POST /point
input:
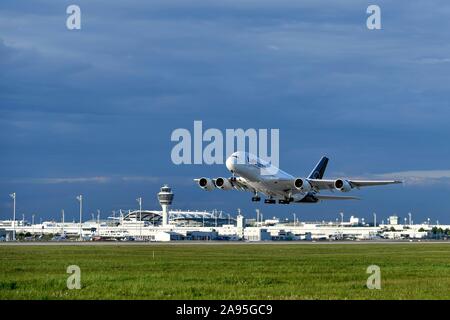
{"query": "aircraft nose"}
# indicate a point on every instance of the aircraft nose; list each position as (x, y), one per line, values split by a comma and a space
(230, 163)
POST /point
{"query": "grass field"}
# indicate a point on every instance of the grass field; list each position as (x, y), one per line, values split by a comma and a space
(261, 271)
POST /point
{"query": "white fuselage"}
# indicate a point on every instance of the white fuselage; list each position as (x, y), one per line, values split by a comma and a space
(261, 175)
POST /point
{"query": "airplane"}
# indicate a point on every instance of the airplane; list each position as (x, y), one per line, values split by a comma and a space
(250, 173)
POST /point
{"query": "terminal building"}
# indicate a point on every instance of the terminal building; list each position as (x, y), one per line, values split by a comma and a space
(172, 225)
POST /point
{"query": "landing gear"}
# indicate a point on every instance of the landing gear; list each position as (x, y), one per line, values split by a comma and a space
(285, 201)
(270, 201)
(256, 198)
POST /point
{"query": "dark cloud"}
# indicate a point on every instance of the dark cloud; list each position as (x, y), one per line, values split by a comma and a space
(102, 101)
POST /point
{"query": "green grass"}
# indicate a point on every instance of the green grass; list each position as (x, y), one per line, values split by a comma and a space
(262, 271)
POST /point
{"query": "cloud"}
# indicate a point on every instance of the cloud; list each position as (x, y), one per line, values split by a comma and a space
(434, 60)
(97, 106)
(418, 177)
(140, 179)
(64, 180)
(272, 47)
(83, 180)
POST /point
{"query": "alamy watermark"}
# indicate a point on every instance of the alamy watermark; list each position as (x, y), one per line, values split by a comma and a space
(74, 280)
(212, 146)
(73, 21)
(374, 280)
(373, 22)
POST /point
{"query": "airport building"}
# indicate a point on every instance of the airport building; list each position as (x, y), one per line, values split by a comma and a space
(175, 225)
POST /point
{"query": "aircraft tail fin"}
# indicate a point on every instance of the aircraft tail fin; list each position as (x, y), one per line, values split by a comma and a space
(319, 169)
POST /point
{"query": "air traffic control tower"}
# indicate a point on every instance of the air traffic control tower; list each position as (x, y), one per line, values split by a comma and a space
(165, 197)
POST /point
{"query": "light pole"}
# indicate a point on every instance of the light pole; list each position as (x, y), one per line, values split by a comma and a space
(62, 214)
(215, 216)
(80, 199)
(342, 224)
(139, 200)
(98, 222)
(13, 196)
(32, 222)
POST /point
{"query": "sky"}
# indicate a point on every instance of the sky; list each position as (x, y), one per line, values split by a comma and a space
(91, 111)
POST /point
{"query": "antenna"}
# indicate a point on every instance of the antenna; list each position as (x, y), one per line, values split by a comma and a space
(62, 213)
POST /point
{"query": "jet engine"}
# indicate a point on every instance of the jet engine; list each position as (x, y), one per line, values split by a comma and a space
(206, 184)
(302, 185)
(223, 183)
(342, 185)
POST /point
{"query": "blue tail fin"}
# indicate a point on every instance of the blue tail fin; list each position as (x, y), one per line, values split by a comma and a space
(319, 169)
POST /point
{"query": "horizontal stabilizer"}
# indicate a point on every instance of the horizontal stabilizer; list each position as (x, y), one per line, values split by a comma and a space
(326, 197)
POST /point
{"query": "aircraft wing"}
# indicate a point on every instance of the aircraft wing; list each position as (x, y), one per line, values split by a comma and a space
(329, 184)
(321, 184)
